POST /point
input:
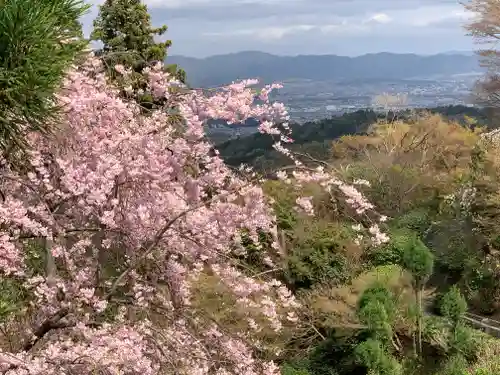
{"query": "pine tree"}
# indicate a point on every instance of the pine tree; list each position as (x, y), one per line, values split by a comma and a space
(39, 40)
(124, 27)
(419, 261)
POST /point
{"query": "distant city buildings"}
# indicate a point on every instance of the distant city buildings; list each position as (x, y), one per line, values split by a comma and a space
(312, 100)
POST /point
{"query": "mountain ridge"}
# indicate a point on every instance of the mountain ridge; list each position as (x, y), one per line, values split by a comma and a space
(223, 69)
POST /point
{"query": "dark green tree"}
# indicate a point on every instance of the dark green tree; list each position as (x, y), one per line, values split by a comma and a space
(374, 356)
(453, 306)
(39, 40)
(419, 261)
(377, 309)
(124, 27)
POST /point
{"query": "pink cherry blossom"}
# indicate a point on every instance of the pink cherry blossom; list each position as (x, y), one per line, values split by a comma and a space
(130, 212)
(117, 187)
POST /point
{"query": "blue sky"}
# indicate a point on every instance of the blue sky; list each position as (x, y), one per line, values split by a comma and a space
(201, 28)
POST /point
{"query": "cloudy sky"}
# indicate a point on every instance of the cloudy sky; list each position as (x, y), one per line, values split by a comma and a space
(201, 28)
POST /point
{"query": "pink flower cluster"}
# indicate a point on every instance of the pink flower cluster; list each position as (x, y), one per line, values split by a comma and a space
(117, 187)
(127, 213)
(352, 195)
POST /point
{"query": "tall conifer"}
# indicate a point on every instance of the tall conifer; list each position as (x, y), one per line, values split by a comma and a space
(128, 37)
(39, 40)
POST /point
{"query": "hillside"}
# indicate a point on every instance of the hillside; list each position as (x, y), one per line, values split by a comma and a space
(222, 69)
(315, 137)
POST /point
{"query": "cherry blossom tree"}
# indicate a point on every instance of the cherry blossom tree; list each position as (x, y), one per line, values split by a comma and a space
(122, 229)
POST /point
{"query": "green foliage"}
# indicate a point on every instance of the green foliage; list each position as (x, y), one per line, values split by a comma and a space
(464, 114)
(385, 254)
(376, 318)
(295, 369)
(436, 331)
(455, 241)
(284, 203)
(483, 372)
(417, 220)
(378, 294)
(315, 137)
(376, 309)
(39, 40)
(417, 259)
(453, 305)
(392, 251)
(404, 248)
(423, 228)
(335, 356)
(375, 357)
(462, 342)
(35, 254)
(456, 365)
(12, 297)
(257, 150)
(317, 254)
(481, 286)
(496, 242)
(124, 27)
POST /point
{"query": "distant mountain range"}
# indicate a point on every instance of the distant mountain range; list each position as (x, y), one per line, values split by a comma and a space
(465, 53)
(223, 69)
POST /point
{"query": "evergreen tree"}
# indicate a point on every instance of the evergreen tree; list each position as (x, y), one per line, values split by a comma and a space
(39, 40)
(453, 306)
(419, 261)
(377, 310)
(124, 27)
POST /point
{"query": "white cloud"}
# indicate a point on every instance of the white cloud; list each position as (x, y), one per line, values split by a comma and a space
(345, 29)
(177, 4)
(429, 16)
(308, 26)
(380, 18)
(264, 33)
(402, 19)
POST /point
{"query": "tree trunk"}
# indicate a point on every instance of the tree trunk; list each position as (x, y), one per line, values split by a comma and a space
(420, 318)
(416, 334)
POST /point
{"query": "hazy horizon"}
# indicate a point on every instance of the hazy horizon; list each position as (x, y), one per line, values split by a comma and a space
(464, 52)
(201, 28)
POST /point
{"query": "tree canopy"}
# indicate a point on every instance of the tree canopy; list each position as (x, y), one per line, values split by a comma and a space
(39, 40)
(128, 38)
